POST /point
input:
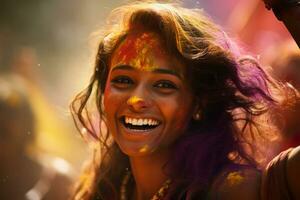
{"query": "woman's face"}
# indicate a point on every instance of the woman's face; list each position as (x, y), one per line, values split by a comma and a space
(147, 100)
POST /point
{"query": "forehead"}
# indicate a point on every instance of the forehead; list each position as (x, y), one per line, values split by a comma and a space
(141, 40)
(145, 51)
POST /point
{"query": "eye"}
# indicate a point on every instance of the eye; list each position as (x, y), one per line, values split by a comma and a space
(122, 81)
(165, 84)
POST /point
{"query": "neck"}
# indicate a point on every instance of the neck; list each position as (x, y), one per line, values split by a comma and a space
(148, 174)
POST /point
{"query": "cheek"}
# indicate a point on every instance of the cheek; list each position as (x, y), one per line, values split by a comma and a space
(182, 117)
(110, 102)
(110, 109)
(177, 112)
(114, 101)
(107, 93)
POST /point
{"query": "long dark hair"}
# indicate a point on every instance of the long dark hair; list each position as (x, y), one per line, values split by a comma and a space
(237, 91)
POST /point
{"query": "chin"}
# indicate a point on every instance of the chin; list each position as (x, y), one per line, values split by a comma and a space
(137, 150)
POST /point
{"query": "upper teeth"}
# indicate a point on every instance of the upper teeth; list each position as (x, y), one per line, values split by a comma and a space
(140, 122)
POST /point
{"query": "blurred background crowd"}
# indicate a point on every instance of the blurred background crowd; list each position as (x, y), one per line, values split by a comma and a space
(46, 54)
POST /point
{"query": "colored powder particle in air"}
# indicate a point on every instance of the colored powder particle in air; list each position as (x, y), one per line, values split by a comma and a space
(234, 178)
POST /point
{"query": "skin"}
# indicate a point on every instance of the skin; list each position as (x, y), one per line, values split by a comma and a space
(293, 172)
(137, 51)
(146, 82)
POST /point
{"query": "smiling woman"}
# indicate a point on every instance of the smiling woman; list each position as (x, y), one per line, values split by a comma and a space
(182, 110)
(145, 87)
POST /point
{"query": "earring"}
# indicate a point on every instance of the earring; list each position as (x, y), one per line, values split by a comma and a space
(197, 116)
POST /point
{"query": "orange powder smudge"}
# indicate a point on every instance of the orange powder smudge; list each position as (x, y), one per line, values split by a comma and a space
(140, 51)
(234, 178)
(144, 149)
(133, 100)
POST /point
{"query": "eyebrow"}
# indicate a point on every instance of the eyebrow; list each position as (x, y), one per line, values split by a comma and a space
(158, 70)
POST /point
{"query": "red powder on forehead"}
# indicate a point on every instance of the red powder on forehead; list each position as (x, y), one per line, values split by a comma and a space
(135, 48)
(127, 50)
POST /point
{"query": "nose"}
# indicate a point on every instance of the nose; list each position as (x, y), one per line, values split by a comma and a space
(138, 104)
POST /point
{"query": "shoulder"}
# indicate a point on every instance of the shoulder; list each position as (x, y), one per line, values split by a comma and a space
(281, 176)
(293, 172)
(242, 183)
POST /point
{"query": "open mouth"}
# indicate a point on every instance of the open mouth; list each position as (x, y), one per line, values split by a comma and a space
(139, 124)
